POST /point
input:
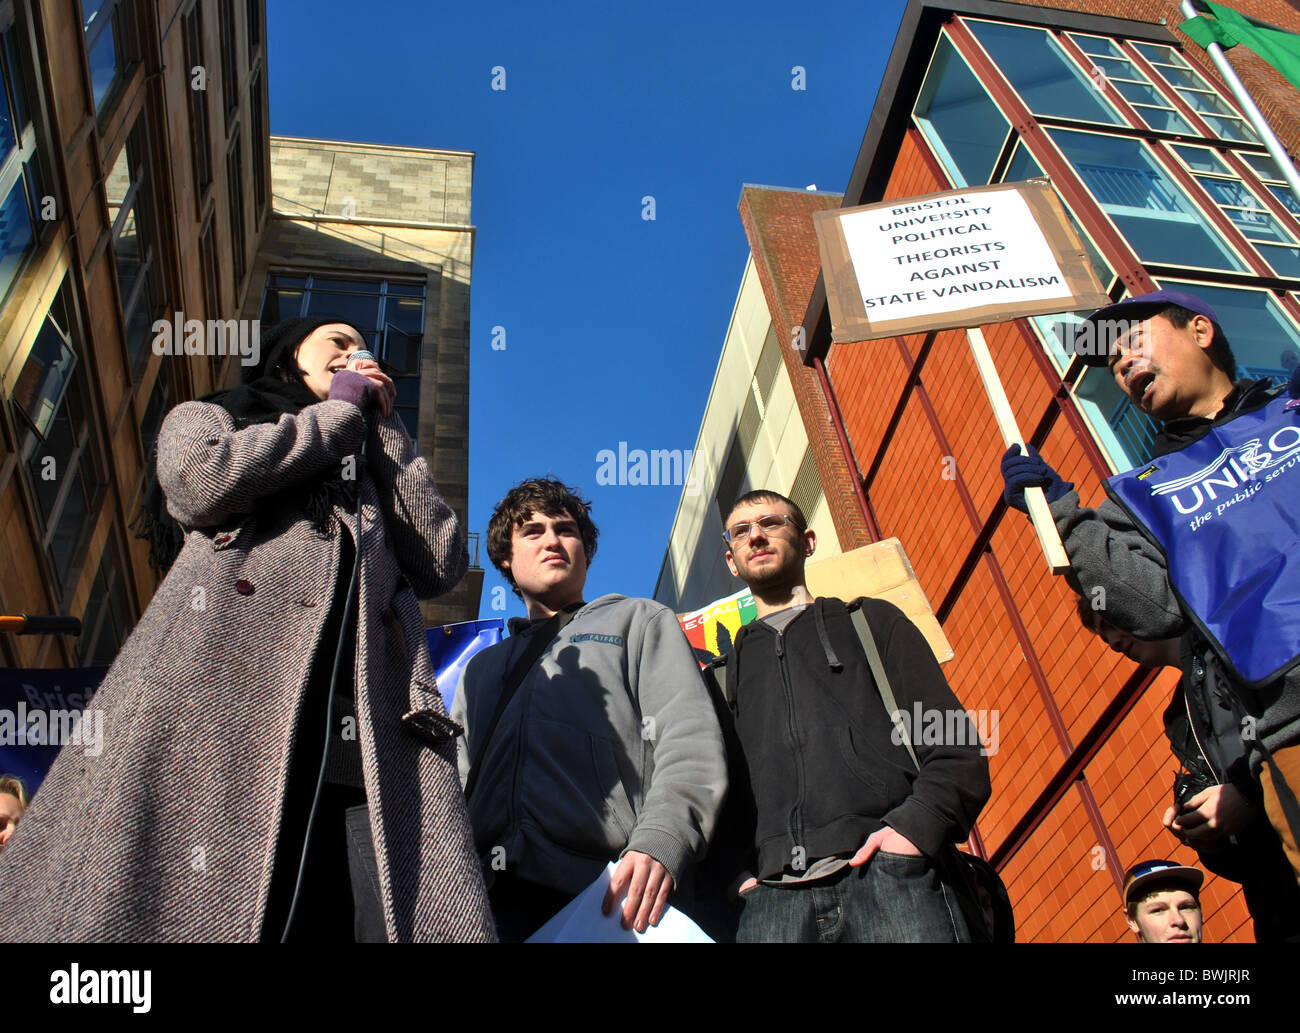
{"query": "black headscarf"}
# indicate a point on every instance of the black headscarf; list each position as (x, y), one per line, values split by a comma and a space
(263, 397)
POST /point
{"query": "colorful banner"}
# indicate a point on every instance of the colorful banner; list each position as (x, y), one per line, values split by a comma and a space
(452, 645)
(712, 628)
(43, 709)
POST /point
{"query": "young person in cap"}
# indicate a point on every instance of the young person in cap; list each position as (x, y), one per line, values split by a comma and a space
(1168, 353)
(1217, 808)
(216, 802)
(848, 830)
(1162, 902)
(589, 733)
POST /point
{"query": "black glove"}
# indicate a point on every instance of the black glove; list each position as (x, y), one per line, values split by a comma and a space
(1030, 471)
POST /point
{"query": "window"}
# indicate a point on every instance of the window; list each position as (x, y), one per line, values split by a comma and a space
(106, 620)
(56, 453)
(257, 132)
(1203, 98)
(229, 77)
(959, 120)
(1267, 170)
(132, 213)
(235, 193)
(1114, 66)
(806, 491)
(1038, 69)
(1244, 207)
(1161, 223)
(25, 211)
(200, 137)
(161, 400)
(108, 45)
(390, 315)
(254, 29)
(769, 365)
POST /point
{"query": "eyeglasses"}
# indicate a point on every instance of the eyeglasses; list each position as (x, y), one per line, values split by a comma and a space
(767, 524)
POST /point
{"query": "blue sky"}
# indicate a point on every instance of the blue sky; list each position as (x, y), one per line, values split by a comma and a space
(613, 323)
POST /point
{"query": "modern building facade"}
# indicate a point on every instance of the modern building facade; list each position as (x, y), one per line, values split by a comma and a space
(139, 183)
(752, 435)
(1169, 187)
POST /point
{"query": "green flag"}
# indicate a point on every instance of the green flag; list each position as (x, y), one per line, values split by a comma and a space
(1280, 49)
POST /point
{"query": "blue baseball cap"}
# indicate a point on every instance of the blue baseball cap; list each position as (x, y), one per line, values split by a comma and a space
(1144, 873)
(1093, 339)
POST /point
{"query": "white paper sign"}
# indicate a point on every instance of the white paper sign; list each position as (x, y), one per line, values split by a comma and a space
(950, 253)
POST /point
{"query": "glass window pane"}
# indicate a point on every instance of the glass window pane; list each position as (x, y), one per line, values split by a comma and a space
(1263, 339)
(45, 377)
(1048, 81)
(1164, 120)
(407, 314)
(1150, 209)
(104, 63)
(70, 530)
(1202, 159)
(1124, 431)
(359, 309)
(1160, 54)
(327, 283)
(281, 305)
(1284, 260)
(958, 118)
(1235, 129)
(408, 390)
(1094, 44)
(1138, 93)
(15, 233)
(415, 290)
(1284, 195)
(411, 417)
(17, 85)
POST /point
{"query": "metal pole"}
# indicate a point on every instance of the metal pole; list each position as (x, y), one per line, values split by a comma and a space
(1274, 145)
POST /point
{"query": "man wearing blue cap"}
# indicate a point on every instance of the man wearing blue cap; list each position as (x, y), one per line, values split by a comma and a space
(1169, 355)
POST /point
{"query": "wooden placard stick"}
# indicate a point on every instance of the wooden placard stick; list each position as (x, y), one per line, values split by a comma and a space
(1044, 525)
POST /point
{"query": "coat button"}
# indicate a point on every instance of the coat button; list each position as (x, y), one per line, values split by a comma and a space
(222, 539)
(244, 587)
(309, 602)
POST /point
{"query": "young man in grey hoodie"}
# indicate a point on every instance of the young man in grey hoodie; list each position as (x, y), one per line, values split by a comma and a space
(589, 732)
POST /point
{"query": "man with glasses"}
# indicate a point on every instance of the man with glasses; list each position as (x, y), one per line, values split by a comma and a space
(848, 830)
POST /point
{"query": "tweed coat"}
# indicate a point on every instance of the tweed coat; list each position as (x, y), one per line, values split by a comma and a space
(170, 833)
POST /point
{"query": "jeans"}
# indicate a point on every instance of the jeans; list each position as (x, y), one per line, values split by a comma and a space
(893, 898)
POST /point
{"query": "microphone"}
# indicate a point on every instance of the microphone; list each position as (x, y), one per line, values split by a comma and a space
(362, 356)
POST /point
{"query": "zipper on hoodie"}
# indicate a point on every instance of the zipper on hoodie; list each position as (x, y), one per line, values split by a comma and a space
(796, 812)
(1198, 677)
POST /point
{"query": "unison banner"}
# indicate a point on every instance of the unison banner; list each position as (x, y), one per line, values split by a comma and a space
(1226, 512)
(41, 711)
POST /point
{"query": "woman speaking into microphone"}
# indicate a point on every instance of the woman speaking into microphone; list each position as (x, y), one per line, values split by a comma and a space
(274, 743)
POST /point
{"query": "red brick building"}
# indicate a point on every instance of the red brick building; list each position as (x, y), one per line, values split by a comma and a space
(1170, 187)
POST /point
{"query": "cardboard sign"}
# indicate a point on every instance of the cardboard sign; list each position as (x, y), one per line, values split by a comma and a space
(961, 258)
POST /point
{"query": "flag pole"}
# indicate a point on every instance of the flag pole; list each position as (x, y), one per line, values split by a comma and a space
(1275, 149)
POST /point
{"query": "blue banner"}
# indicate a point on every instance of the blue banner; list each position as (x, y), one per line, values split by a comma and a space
(452, 645)
(42, 710)
(1226, 512)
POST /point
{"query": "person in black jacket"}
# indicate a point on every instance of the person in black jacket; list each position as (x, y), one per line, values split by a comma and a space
(1217, 808)
(847, 830)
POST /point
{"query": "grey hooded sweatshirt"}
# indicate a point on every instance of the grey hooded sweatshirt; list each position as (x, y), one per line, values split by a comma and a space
(609, 744)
